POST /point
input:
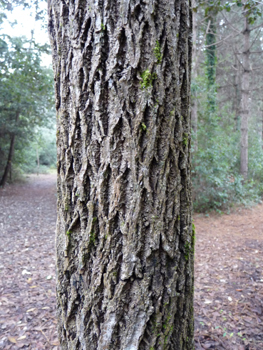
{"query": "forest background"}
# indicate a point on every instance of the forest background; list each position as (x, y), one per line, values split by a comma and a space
(227, 102)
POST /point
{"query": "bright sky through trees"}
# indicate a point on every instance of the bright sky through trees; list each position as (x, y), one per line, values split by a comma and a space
(26, 89)
(21, 22)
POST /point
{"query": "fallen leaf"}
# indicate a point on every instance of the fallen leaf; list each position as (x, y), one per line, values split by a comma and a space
(12, 340)
(22, 337)
(30, 310)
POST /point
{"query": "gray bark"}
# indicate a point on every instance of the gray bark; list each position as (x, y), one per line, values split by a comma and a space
(124, 234)
(244, 112)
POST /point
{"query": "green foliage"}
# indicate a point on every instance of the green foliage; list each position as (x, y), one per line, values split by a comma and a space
(255, 157)
(251, 8)
(26, 96)
(217, 183)
(214, 176)
(43, 146)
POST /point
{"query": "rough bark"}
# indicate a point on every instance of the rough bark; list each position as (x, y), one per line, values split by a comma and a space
(124, 233)
(244, 112)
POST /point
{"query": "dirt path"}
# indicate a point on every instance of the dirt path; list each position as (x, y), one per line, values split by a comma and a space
(228, 284)
(27, 270)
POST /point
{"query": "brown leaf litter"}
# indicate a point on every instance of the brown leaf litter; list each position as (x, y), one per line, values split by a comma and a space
(228, 273)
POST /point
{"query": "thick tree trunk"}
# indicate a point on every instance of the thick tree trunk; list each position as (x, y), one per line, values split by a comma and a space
(8, 166)
(244, 112)
(124, 233)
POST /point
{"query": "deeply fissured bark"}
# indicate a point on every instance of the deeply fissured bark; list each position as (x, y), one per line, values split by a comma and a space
(124, 232)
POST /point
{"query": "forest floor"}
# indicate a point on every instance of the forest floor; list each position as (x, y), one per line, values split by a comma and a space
(228, 270)
(229, 280)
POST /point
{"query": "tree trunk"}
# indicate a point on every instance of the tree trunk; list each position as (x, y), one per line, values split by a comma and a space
(211, 62)
(237, 97)
(8, 166)
(244, 112)
(194, 120)
(194, 110)
(37, 160)
(124, 233)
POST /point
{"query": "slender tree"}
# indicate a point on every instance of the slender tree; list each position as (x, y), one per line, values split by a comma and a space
(236, 99)
(8, 166)
(124, 233)
(245, 86)
(211, 13)
(194, 109)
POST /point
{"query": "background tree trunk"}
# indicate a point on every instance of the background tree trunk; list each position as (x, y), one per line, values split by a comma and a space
(9, 160)
(237, 93)
(194, 110)
(211, 62)
(8, 166)
(124, 233)
(244, 112)
(38, 164)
